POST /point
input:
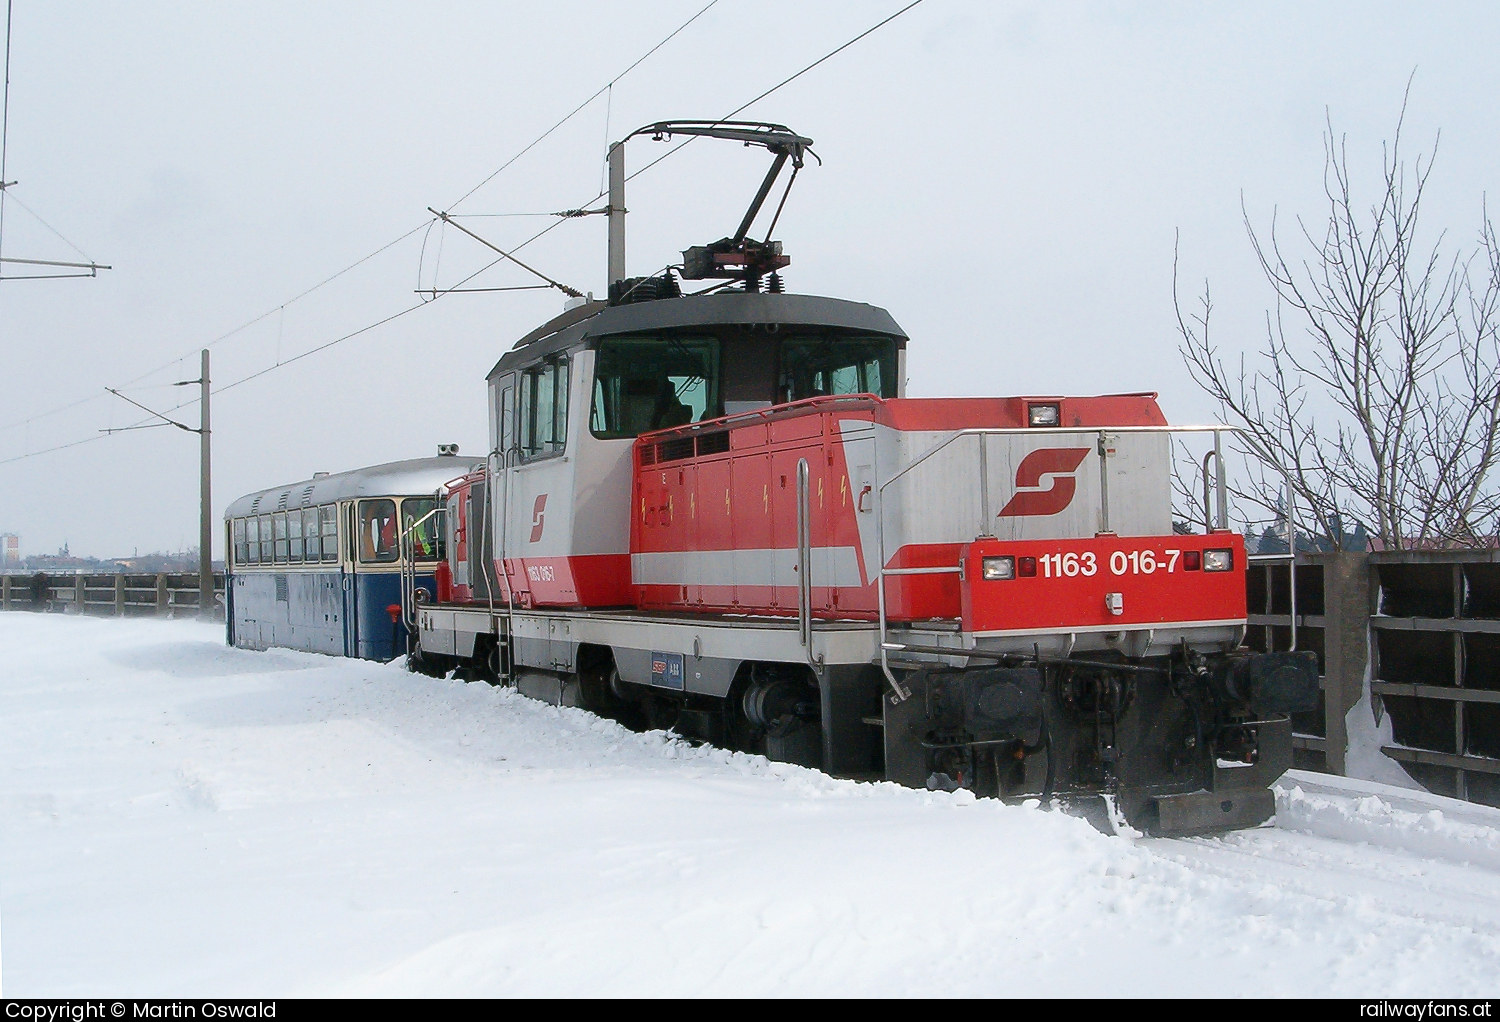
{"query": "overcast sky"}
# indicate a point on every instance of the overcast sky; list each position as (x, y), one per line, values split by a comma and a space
(1005, 178)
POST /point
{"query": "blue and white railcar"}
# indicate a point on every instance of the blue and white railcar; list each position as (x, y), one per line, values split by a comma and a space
(316, 565)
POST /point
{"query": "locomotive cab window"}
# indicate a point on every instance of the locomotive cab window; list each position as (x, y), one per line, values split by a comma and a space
(544, 409)
(377, 531)
(821, 366)
(646, 383)
(424, 536)
(241, 548)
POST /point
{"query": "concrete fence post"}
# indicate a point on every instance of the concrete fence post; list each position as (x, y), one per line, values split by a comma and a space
(161, 595)
(1346, 642)
(81, 592)
(4, 592)
(119, 595)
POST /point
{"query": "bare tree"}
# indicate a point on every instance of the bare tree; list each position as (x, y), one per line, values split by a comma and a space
(1377, 394)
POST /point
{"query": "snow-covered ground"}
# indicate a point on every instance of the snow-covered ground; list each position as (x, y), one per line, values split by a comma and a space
(182, 819)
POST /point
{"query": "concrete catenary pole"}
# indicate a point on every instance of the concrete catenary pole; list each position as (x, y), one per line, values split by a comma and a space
(616, 213)
(205, 501)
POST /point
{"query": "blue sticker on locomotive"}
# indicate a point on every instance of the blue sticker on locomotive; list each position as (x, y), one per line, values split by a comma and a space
(666, 670)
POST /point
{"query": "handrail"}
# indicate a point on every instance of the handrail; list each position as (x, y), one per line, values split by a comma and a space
(900, 692)
(788, 410)
(804, 568)
(503, 551)
(409, 568)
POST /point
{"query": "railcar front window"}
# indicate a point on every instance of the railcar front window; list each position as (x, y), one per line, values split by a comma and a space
(821, 366)
(646, 383)
(377, 531)
(424, 536)
(252, 539)
(241, 548)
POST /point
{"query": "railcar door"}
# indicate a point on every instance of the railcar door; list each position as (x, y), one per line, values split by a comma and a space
(377, 579)
(348, 579)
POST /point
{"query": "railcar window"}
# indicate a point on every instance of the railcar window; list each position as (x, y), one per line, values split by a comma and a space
(646, 383)
(252, 540)
(278, 523)
(310, 533)
(425, 538)
(377, 531)
(266, 545)
(241, 548)
(328, 516)
(819, 366)
(544, 409)
(294, 535)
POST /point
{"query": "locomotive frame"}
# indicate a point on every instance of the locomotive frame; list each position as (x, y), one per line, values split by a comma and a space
(719, 513)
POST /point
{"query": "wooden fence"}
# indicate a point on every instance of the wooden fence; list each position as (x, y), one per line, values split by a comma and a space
(1424, 627)
(117, 595)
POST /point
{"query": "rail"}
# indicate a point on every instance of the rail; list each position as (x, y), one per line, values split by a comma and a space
(899, 692)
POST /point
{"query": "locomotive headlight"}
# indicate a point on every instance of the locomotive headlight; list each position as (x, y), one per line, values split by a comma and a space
(1218, 560)
(996, 568)
(1043, 415)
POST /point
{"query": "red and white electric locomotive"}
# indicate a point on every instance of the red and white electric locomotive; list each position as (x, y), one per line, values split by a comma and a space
(719, 512)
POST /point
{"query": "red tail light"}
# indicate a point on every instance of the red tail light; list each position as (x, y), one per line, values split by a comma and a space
(1192, 560)
(1026, 567)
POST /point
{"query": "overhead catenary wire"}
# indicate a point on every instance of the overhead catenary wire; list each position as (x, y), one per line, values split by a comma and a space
(38, 217)
(581, 208)
(606, 87)
(784, 82)
(358, 262)
(274, 310)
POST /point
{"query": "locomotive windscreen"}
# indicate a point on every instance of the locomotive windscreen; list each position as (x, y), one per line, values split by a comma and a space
(646, 383)
(833, 364)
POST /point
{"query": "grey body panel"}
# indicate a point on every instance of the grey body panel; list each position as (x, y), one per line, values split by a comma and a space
(724, 309)
(397, 478)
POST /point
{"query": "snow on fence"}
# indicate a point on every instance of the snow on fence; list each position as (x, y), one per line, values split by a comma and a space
(1421, 629)
(165, 595)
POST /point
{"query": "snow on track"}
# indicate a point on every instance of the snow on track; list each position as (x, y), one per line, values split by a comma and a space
(182, 819)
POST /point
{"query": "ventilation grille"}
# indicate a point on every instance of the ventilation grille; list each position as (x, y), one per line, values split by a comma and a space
(307, 495)
(281, 501)
(648, 454)
(713, 443)
(281, 594)
(674, 450)
(255, 504)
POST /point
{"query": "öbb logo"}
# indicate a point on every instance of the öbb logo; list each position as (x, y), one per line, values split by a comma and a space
(537, 517)
(1056, 467)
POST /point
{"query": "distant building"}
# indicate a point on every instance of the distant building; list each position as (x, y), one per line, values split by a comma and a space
(10, 550)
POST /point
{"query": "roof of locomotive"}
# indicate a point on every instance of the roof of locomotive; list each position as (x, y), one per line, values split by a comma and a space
(597, 319)
(415, 476)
